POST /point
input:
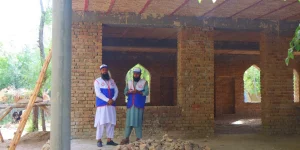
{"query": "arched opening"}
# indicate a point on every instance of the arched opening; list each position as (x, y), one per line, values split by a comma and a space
(252, 86)
(145, 75)
(296, 86)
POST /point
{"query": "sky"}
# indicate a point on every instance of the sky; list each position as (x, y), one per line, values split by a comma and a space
(19, 23)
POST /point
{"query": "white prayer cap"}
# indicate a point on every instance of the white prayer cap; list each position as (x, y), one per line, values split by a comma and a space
(103, 66)
(138, 70)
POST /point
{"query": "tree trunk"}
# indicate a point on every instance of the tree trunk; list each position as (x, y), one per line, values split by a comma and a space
(41, 33)
(42, 57)
(35, 119)
(43, 119)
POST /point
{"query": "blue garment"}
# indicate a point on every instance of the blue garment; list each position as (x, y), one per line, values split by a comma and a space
(137, 99)
(105, 90)
(109, 93)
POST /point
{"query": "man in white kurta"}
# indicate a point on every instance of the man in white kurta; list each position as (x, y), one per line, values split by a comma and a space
(106, 92)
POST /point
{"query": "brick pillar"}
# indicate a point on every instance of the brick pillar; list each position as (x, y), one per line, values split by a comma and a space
(195, 73)
(86, 59)
(278, 112)
(239, 94)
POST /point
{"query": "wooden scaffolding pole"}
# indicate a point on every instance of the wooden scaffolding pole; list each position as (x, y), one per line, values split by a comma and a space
(24, 105)
(1, 138)
(30, 105)
(2, 115)
(5, 112)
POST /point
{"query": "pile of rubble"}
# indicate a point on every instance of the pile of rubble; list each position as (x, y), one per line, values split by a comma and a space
(46, 146)
(165, 144)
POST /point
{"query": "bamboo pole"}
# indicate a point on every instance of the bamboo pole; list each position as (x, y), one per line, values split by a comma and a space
(17, 105)
(30, 105)
(1, 137)
(5, 112)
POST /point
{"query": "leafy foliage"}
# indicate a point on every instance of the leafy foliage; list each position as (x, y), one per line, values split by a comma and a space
(294, 45)
(20, 70)
(252, 80)
(48, 17)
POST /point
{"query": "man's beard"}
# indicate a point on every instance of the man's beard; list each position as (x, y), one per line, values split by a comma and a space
(105, 76)
(136, 79)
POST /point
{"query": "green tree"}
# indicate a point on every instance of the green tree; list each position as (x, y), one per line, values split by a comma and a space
(294, 44)
(252, 80)
(19, 70)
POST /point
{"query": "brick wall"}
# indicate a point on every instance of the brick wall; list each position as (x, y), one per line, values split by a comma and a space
(225, 100)
(159, 65)
(86, 57)
(193, 115)
(158, 120)
(228, 68)
(279, 115)
(195, 73)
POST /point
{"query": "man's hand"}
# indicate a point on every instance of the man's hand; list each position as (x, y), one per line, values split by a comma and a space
(131, 92)
(134, 92)
(110, 102)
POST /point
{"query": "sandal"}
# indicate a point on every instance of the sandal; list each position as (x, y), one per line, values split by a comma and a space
(124, 141)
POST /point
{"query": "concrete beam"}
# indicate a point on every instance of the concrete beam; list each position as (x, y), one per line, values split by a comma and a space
(236, 52)
(140, 42)
(172, 43)
(173, 50)
(139, 49)
(60, 135)
(239, 45)
(149, 20)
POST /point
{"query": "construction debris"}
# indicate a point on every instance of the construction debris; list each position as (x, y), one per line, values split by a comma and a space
(46, 146)
(165, 144)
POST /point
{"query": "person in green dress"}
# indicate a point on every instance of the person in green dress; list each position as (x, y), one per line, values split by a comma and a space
(136, 90)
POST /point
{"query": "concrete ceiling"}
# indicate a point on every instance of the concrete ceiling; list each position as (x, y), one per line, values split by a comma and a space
(252, 9)
(171, 33)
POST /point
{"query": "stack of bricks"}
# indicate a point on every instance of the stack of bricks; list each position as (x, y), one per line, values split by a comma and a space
(278, 110)
(86, 59)
(195, 74)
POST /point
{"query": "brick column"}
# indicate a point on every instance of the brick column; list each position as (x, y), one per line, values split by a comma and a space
(195, 73)
(278, 112)
(86, 59)
(239, 94)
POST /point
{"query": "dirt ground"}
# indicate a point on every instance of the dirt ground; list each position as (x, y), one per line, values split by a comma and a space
(231, 133)
(233, 124)
(218, 142)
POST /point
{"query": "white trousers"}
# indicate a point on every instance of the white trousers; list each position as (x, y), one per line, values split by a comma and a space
(110, 128)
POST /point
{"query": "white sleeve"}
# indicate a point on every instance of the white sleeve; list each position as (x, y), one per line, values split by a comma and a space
(98, 92)
(116, 91)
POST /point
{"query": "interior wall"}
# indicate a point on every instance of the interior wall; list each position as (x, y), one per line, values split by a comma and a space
(229, 71)
(162, 67)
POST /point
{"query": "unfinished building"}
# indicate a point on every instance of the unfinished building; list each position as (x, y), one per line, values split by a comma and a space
(196, 55)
